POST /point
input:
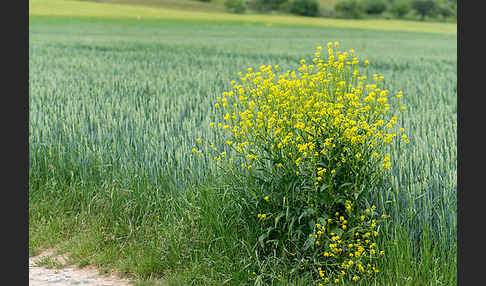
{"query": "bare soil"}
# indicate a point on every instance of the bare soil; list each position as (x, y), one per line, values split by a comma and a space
(60, 273)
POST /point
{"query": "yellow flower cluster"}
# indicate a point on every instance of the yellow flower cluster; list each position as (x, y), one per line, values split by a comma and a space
(262, 216)
(353, 253)
(310, 115)
(326, 127)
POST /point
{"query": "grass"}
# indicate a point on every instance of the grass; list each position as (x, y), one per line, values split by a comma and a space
(49, 262)
(116, 105)
(72, 8)
(217, 6)
(189, 5)
(192, 5)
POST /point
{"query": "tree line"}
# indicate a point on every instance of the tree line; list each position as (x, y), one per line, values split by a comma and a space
(438, 10)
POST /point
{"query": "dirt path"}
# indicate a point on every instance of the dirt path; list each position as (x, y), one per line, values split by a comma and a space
(68, 274)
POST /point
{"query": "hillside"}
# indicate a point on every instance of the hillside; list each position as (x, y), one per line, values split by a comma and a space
(72, 8)
(190, 5)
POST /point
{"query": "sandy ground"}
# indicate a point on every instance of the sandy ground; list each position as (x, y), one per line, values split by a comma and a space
(69, 274)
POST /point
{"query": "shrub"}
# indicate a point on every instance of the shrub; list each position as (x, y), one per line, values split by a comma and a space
(266, 5)
(374, 7)
(326, 11)
(446, 10)
(306, 148)
(305, 7)
(349, 9)
(400, 8)
(235, 6)
(284, 7)
(424, 8)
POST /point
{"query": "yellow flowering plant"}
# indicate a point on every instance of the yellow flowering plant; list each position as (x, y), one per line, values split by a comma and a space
(310, 144)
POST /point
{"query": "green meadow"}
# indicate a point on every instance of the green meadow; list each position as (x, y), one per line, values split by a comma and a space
(115, 106)
(172, 10)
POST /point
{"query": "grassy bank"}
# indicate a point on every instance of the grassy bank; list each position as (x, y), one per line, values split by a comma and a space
(72, 8)
(116, 105)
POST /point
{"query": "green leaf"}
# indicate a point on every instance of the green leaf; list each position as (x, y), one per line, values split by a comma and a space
(308, 242)
(339, 231)
(312, 224)
(325, 198)
(345, 185)
(261, 239)
(305, 213)
(278, 217)
(323, 187)
(323, 219)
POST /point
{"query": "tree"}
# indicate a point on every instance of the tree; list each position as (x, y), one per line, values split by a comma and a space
(266, 5)
(305, 7)
(349, 8)
(374, 6)
(424, 7)
(447, 9)
(235, 6)
(400, 8)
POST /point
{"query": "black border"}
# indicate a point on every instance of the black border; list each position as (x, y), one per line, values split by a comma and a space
(470, 145)
(15, 146)
(21, 93)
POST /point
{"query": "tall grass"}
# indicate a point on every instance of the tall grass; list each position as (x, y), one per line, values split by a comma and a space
(116, 105)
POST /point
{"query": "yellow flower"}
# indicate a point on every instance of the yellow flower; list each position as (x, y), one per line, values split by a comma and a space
(326, 113)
